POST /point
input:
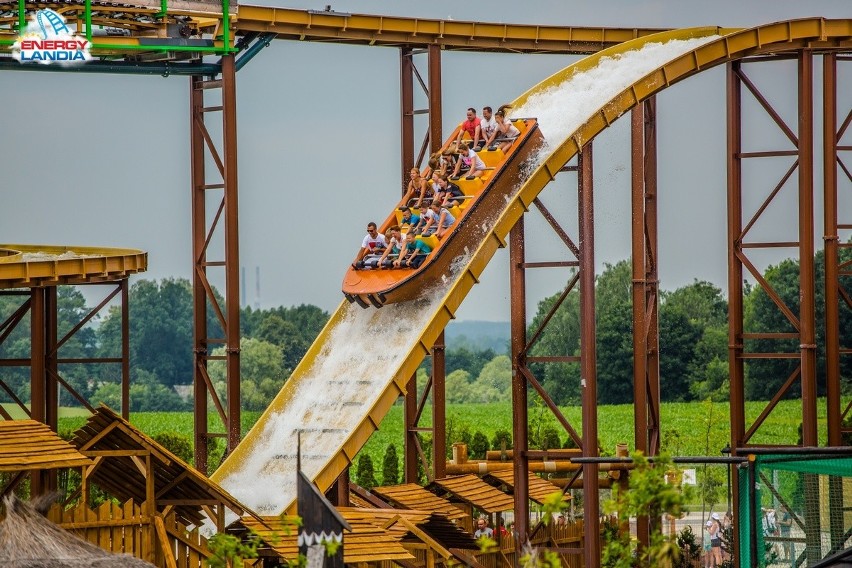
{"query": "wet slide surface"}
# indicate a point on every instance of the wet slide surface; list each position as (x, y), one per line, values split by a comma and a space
(362, 360)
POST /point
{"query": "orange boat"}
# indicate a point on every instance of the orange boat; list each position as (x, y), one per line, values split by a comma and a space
(483, 196)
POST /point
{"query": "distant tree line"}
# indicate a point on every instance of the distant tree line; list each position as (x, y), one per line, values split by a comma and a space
(693, 322)
(693, 345)
(273, 342)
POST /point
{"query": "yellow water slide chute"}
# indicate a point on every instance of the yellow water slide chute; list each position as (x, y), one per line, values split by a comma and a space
(730, 45)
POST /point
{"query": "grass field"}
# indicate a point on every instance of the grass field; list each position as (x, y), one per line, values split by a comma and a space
(684, 425)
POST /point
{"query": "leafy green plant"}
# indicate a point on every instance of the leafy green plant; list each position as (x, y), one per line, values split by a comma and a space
(540, 558)
(552, 504)
(648, 494)
(690, 548)
(230, 551)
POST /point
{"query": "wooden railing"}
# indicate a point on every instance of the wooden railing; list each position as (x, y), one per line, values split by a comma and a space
(163, 541)
(553, 536)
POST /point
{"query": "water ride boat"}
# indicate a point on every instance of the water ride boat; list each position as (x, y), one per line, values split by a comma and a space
(484, 197)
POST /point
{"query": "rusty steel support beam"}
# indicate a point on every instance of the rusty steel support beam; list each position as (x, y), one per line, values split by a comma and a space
(735, 274)
(588, 361)
(232, 250)
(410, 456)
(199, 256)
(38, 368)
(225, 160)
(646, 363)
(831, 239)
(406, 91)
(439, 408)
(51, 385)
(646, 367)
(520, 419)
(125, 348)
(436, 138)
(807, 310)
(832, 296)
(39, 483)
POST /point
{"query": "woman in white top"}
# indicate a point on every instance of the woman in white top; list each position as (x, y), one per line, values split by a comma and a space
(471, 160)
(506, 132)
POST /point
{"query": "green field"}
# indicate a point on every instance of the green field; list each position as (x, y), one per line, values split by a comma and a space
(685, 425)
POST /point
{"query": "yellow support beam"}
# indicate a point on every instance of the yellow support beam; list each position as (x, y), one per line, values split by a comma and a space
(311, 25)
(24, 266)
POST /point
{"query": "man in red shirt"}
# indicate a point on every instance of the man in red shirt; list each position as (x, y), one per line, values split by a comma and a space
(472, 127)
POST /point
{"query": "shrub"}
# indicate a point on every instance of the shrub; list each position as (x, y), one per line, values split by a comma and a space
(501, 437)
(177, 444)
(365, 474)
(478, 446)
(390, 466)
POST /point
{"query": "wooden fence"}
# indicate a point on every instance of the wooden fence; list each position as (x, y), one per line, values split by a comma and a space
(162, 541)
(568, 536)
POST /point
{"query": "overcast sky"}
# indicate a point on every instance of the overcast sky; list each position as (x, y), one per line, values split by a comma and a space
(104, 160)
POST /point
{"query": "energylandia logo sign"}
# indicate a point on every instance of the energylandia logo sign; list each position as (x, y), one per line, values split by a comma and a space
(48, 40)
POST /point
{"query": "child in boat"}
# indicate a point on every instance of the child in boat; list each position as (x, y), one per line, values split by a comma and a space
(396, 242)
(413, 254)
(471, 160)
(439, 220)
(408, 217)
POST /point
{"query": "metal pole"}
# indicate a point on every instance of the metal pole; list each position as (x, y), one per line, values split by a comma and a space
(651, 277)
(410, 444)
(199, 259)
(640, 344)
(125, 349)
(439, 409)
(232, 248)
(51, 390)
(832, 316)
(640, 349)
(832, 300)
(735, 273)
(406, 90)
(37, 375)
(588, 358)
(435, 108)
(520, 419)
(807, 314)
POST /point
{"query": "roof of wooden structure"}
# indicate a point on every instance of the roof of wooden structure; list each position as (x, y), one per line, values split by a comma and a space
(539, 489)
(364, 543)
(471, 489)
(437, 527)
(412, 496)
(27, 444)
(119, 449)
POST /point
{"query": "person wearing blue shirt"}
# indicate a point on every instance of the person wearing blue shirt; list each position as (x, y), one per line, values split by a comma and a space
(409, 218)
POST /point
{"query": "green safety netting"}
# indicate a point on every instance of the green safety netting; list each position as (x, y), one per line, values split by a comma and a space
(801, 483)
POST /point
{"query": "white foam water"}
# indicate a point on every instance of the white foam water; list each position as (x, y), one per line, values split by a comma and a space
(564, 108)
